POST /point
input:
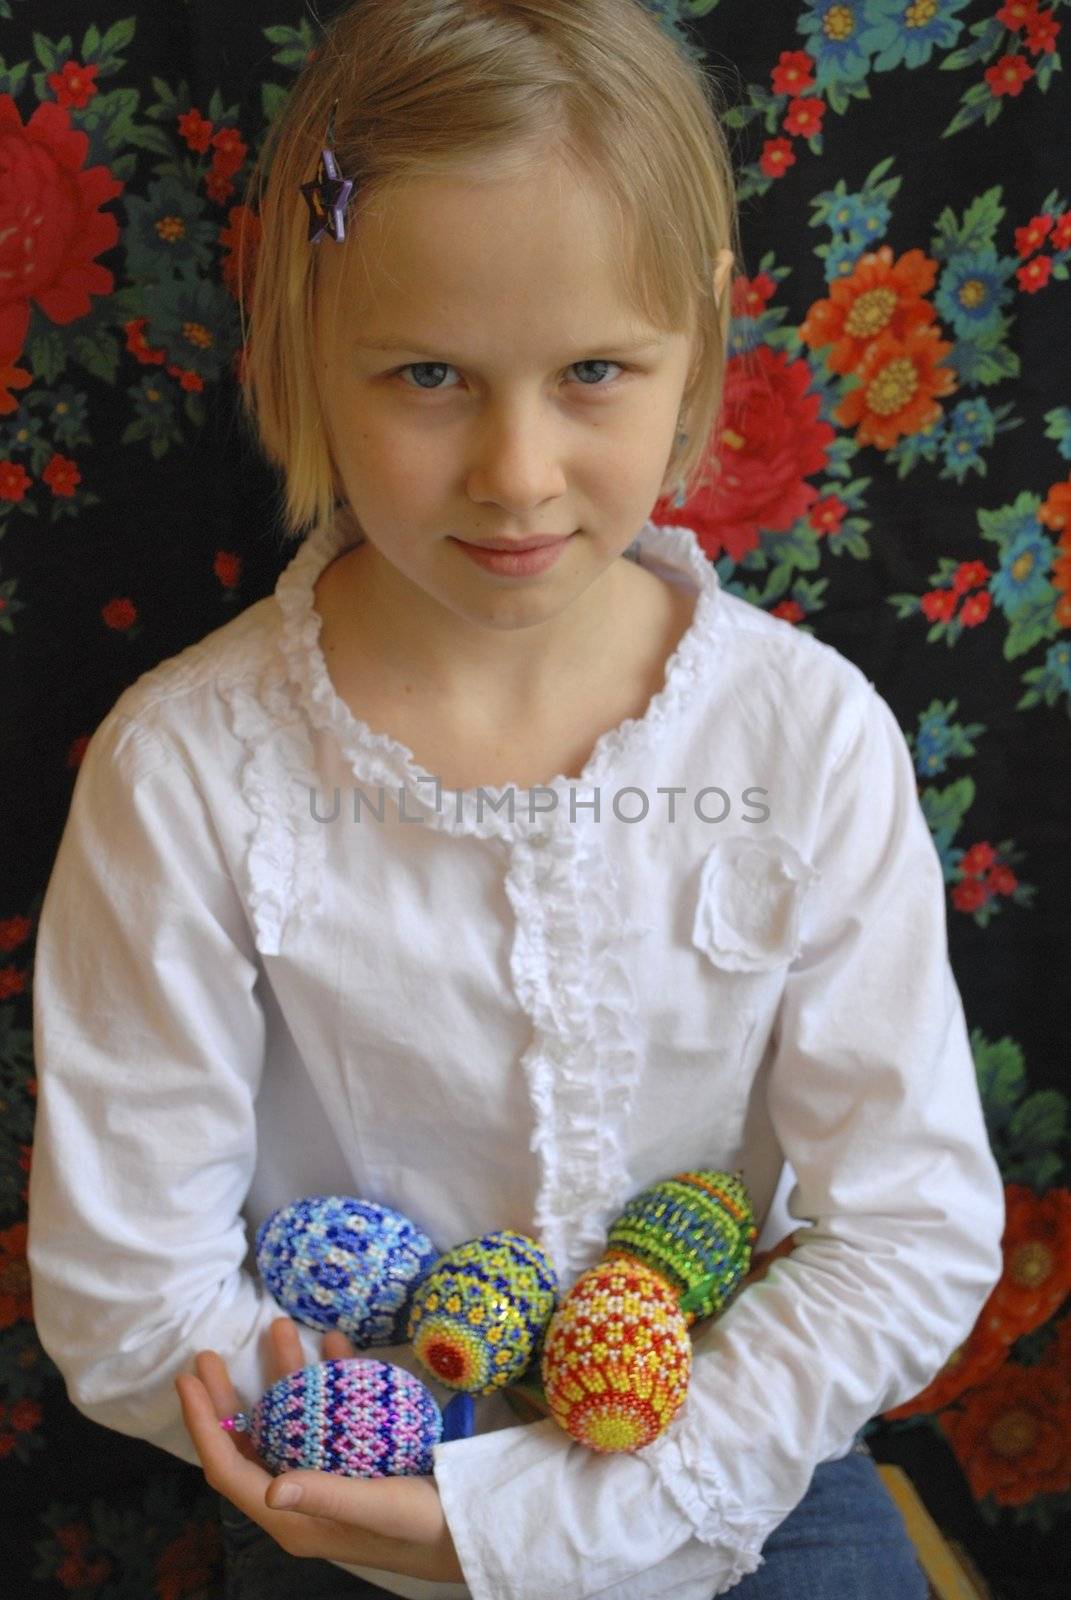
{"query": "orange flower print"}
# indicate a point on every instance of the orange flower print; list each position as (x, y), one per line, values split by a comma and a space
(1012, 1436)
(980, 1354)
(901, 382)
(1037, 1261)
(880, 297)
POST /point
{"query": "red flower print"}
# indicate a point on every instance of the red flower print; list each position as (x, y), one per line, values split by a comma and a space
(977, 859)
(1001, 880)
(227, 567)
(195, 130)
(13, 932)
(12, 378)
(938, 605)
(1035, 275)
(77, 750)
(750, 295)
(61, 475)
(975, 608)
(1061, 233)
(1042, 32)
(138, 346)
(1009, 75)
(1012, 1436)
(73, 84)
(968, 575)
(15, 1304)
(794, 71)
(230, 150)
(187, 1564)
(218, 186)
(119, 614)
(1017, 14)
(826, 515)
(12, 982)
(970, 895)
(240, 239)
(770, 441)
(190, 381)
(804, 117)
(1033, 236)
(777, 156)
(14, 480)
(50, 228)
(789, 610)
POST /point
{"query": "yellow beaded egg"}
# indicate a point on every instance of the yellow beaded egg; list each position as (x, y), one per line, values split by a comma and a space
(617, 1357)
(477, 1319)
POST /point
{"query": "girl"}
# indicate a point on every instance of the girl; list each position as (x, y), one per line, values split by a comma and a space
(500, 864)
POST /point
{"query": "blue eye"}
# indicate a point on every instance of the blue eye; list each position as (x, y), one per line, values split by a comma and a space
(443, 366)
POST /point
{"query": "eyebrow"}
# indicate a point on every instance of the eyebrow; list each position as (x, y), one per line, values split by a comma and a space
(391, 343)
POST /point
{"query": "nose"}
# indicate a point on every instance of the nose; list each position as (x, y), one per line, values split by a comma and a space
(517, 462)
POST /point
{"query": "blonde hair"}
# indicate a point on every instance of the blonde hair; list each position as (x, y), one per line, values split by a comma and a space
(473, 89)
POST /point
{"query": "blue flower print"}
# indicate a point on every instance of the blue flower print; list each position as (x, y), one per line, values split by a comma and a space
(907, 31)
(835, 31)
(970, 292)
(1022, 578)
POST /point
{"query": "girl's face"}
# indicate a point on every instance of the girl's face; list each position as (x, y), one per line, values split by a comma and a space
(515, 394)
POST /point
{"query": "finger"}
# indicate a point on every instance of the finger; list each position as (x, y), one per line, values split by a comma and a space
(406, 1509)
(229, 1469)
(287, 1351)
(212, 1371)
(337, 1347)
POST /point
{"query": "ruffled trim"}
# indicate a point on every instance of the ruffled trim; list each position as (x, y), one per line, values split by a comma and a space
(378, 759)
(570, 966)
(284, 858)
(683, 1467)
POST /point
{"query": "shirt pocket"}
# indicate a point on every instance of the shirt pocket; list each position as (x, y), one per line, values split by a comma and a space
(750, 902)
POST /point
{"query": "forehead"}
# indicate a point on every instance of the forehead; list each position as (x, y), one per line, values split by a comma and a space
(466, 257)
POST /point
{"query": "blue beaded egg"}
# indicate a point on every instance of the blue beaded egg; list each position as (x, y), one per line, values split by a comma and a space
(334, 1262)
(357, 1418)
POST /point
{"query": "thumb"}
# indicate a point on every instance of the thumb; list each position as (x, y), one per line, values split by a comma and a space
(396, 1508)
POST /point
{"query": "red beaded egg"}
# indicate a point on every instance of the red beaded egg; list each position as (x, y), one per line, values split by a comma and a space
(617, 1357)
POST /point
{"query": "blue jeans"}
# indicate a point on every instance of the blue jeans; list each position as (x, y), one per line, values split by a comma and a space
(844, 1541)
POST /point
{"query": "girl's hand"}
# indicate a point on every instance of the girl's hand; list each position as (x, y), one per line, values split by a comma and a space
(395, 1524)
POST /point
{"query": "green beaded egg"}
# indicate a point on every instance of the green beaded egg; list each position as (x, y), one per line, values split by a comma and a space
(696, 1229)
(478, 1318)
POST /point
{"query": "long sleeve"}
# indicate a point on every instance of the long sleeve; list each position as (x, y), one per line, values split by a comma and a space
(872, 1094)
(149, 1042)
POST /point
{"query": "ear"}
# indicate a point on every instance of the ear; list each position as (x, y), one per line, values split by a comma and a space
(722, 273)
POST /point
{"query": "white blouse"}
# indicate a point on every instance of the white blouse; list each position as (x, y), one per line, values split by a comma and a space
(276, 959)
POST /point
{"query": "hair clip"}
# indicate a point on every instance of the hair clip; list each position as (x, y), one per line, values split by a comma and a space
(328, 195)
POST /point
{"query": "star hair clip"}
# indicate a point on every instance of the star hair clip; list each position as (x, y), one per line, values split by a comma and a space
(328, 194)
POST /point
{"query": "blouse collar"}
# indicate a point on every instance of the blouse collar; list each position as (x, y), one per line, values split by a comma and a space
(379, 759)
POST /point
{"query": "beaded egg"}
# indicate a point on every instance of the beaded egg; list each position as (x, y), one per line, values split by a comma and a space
(477, 1318)
(696, 1229)
(334, 1262)
(356, 1417)
(617, 1357)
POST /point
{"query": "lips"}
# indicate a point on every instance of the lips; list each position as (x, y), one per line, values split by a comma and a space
(518, 546)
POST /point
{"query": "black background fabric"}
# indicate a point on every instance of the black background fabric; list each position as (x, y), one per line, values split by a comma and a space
(182, 538)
